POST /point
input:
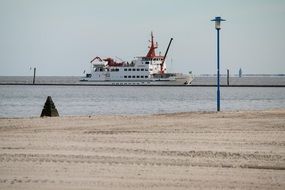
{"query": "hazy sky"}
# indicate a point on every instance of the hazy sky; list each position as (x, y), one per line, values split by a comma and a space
(60, 37)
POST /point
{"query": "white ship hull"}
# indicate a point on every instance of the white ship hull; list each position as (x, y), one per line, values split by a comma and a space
(180, 80)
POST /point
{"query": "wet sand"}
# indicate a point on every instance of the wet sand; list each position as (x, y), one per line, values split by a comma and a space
(227, 150)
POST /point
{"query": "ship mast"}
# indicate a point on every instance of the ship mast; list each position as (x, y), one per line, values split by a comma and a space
(152, 47)
(151, 52)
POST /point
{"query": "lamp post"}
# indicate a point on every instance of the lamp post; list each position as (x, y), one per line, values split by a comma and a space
(218, 27)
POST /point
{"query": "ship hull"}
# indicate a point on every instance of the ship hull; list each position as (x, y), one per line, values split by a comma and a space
(182, 80)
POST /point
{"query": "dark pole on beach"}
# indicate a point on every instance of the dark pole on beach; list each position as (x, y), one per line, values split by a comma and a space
(218, 27)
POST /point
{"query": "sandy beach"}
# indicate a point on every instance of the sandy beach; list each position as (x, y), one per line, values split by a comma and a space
(227, 150)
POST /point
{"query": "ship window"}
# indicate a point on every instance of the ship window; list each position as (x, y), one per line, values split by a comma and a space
(125, 76)
(146, 69)
(138, 69)
(142, 76)
(129, 76)
(130, 69)
(142, 69)
(146, 62)
(117, 69)
(145, 76)
(138, 76)
(125, 69)
(150, 69)
(134, 69)
(134, 77)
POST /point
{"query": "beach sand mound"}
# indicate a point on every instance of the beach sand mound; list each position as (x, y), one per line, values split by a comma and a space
(227, 150)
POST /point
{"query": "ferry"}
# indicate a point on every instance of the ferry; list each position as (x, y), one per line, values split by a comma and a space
(142, 71)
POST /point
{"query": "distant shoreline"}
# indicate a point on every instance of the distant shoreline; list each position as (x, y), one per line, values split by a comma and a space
(252, 80)
(86, 84)
(197, 75)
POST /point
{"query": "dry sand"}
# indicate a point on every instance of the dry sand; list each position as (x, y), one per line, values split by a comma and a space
(227, 150)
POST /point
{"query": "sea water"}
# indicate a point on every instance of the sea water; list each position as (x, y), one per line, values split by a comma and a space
(28, 100)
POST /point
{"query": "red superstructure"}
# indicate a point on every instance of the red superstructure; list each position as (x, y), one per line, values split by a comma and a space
(152, 47)
(112, 63)
(151, 53)
(150, 56)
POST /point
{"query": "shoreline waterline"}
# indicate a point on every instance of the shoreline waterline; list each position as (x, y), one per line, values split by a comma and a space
(151, 115)
(25, 101)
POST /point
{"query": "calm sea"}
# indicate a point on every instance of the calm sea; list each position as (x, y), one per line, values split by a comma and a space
(28, 100)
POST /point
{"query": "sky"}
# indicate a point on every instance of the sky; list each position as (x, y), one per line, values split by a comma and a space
(60, 37)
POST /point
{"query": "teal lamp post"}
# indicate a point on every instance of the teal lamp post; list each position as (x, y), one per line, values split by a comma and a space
(218, 27)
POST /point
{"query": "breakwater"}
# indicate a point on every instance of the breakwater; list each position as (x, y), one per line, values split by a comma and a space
(199, 81)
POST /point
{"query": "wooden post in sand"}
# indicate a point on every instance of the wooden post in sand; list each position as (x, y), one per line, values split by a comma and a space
(49, 109)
